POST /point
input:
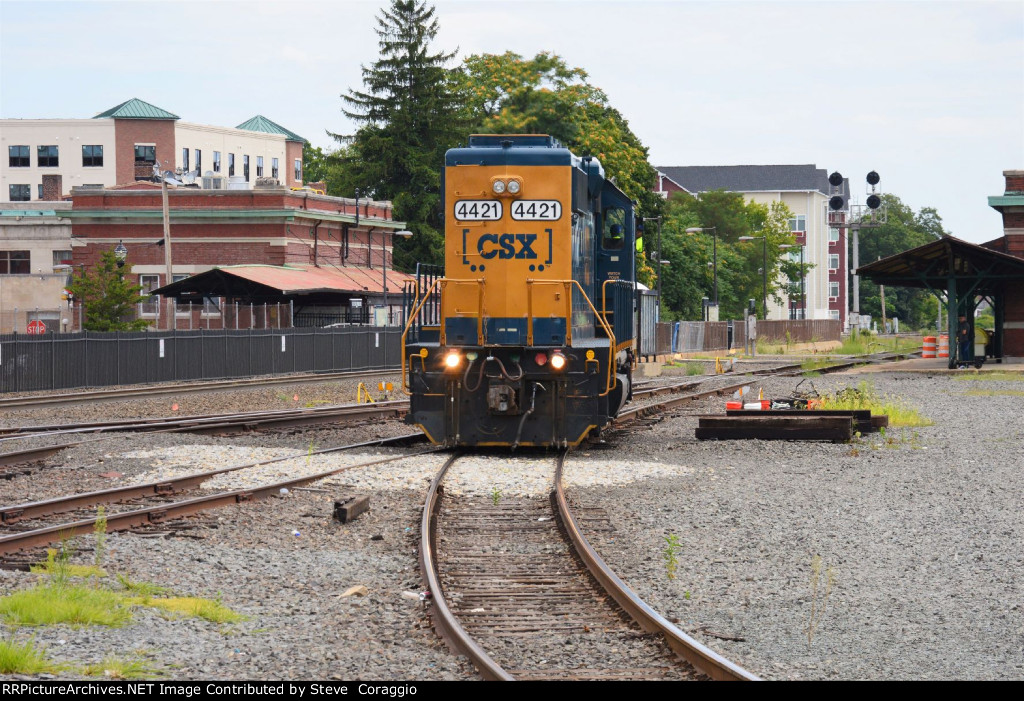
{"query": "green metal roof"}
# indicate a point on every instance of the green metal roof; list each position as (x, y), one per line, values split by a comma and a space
(261, 123)
(136, 109)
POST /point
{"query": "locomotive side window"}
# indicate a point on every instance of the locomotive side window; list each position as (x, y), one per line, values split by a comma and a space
(478, 210)
(614, 229)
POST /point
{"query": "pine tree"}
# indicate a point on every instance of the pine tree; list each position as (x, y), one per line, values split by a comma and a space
(110, 300)
(410, 113)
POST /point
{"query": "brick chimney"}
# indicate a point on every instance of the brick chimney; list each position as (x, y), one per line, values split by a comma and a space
(52, 188)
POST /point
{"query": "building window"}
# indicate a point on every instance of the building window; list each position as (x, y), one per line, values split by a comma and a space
(62, 257)
(231, 164)
(273, 168)
(18, 156)
(145, 155)
(14, 263)
(259, 166)
(833, 314)
(22, 193)
(833, 261)
(833, 234)
(149, 306)
(794, 255)
(46, 156)
(298, 170)
(185, 310)
(216, 161)
(798, 223)
(184, 159)
(245, 167)
(39, 190)
(211, 306)
(833, 289)
(199, 162)
(92, 156)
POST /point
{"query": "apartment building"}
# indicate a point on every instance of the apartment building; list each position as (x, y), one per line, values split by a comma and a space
(820, 232)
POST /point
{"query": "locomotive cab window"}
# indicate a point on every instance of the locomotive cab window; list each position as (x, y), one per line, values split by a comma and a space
(614, 229)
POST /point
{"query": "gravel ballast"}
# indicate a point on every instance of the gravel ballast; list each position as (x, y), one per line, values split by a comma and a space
(921, 528)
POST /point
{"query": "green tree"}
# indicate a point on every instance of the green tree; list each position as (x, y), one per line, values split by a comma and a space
(323, 166)
(509, 94)
(904, 229)
(110, 300)
(410, 112)
(692, 271)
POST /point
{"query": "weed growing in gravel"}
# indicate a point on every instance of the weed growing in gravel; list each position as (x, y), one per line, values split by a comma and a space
(864, 396)
(818, 603)
(994, 393)
(495, 495)
(694, 368)
(672, 546)
(978, 376)
(76, 605)
(143, 589)
(99, 529)
(207, 609)
(61, 571)
(309, 455)
(24, 658)
(113, 667)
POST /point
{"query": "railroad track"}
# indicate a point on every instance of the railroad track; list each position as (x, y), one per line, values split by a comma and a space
(161, 390)
(517, 588)
(151, 503)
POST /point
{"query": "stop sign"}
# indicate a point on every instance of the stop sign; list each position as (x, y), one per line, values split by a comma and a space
(37, 327)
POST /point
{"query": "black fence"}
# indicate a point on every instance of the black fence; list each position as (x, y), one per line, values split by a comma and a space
(90, 359)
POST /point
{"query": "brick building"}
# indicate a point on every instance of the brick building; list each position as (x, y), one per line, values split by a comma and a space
(1011, 206)
(271, 226)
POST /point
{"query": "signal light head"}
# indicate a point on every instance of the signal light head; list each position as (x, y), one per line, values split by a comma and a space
(835, 180)
(873, 178)
(452, 360)
(498, 186)
(541, 359)
(558, 360)
(874, 201)
(835, 202)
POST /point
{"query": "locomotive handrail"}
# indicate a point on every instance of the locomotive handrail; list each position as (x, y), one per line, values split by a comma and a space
(479, 307)
(408, 325)
(568, 284)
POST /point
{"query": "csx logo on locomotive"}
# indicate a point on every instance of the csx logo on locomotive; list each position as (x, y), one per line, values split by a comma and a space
(509, 246)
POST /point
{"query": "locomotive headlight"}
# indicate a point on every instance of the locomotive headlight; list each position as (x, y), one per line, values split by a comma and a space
(557, 361)
(540, 359)
(498, 186)
(514, 186)
(452, 360)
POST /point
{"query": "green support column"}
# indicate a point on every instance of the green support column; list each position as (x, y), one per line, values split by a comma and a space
(999, 312)
(953, 305)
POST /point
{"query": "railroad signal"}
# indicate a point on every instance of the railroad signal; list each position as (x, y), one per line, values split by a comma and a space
(873, 201)
(836, 201)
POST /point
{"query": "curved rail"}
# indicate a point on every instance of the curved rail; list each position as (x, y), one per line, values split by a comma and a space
(703, 658)
(444, 620)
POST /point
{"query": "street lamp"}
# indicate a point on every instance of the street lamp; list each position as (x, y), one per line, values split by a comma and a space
(404, 233)
(803, 293)
(764, 270)
(120, 253)
(714, 231)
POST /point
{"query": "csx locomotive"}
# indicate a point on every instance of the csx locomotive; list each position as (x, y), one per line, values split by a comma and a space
(528, 338)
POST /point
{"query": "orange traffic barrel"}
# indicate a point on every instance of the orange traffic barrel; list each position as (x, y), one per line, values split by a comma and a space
(943, 346)
(928, 349)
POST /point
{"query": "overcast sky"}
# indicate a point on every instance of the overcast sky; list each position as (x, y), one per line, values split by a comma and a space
(930, 94)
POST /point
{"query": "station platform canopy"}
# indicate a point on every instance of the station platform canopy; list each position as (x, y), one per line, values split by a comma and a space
(268, 283)
(963, 271)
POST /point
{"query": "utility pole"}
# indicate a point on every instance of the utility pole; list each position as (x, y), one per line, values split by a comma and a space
(167, 249)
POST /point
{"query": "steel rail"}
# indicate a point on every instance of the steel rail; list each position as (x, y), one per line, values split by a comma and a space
(48, 507)
(701, 657)
(156, 514)
(445, 622)
(161, 390)
(209, 422)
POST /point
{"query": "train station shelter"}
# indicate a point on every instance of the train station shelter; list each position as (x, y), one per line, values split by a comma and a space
(968, 273)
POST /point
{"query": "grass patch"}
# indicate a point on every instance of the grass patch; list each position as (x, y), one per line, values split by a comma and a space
(990, 377)
(117, 668)
(694, 368)
(72, 604)
(207, 609)
(812, 364)
(864, 396)
(24, 658)
(995, 393)
(143, 589)
(58, 568)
